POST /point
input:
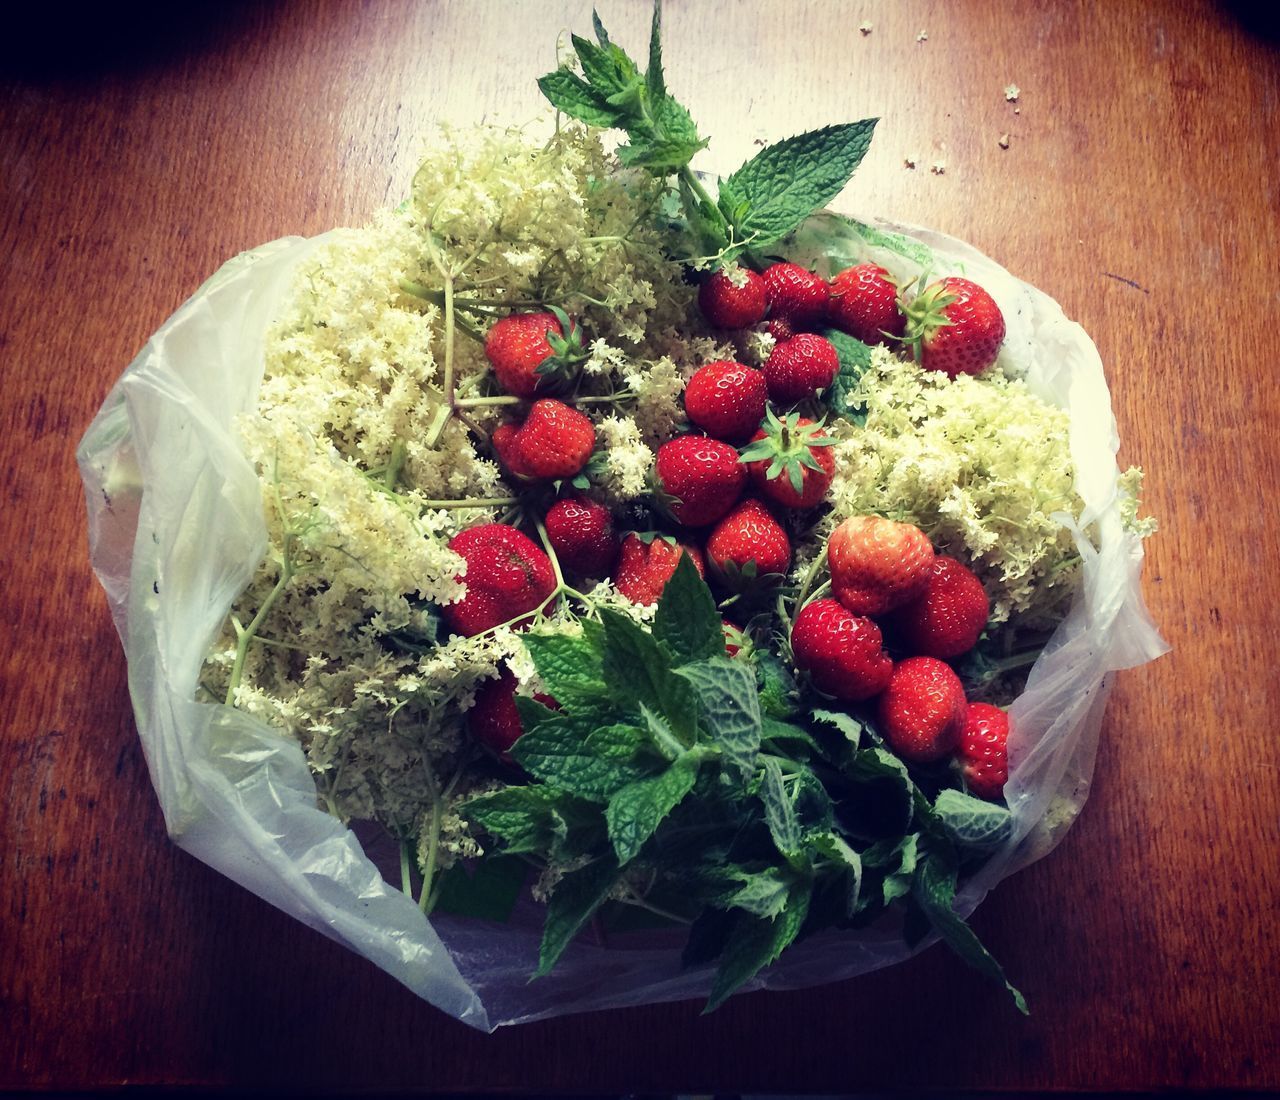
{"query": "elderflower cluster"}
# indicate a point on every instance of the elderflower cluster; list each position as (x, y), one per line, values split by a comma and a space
(979, 464)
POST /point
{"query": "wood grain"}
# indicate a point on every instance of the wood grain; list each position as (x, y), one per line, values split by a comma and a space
(1139, 187)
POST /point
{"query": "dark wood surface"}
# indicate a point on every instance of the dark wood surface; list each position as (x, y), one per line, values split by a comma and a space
(138, 152)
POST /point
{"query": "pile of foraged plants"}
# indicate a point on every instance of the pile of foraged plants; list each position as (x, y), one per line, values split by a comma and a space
(609, 545)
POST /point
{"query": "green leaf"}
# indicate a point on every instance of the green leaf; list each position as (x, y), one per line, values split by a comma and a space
(884, 804)
(761, 893)
(774, 731)
(675, 123)
(779, 813)
(602, 36)
(657, 84)
(687, 621)
(845, 723)
(855, 360)
(848, 863)
(571, 668)
(895, 862)
(666, 155)
(572, 95)
(785, 182)
(576, 897)
(934, 889)
(636, 811)
(635, 668)
(971, 822)
(593, 762)
(729, 709)
(487, 891)
(777, 686)
(919, 254)
(519, 816)
(607, 67)
(755, 942)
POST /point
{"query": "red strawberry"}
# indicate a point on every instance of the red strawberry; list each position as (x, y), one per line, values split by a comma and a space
(800, 367)
(748, 541)
(796, 294)
(733, 298)
(504, 442)
(735, 640)
(922, 710)
(507, 576)
(581, 533)
(646, 564)
(697, 479)
(877, 564)
(780, 328)
(726, 400)
(954, 326)
(864, 303)
(493, 718)
(842, 652)
(530, 352)
(983, 752)
(790, 461)
(554, 441)
(947, 618)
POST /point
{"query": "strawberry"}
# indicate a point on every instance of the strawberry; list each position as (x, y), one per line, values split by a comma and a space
(796, 294)
(864, 303)
(790, 461)
(504, 442)
(736, 640)
(983, 752)
(733, 297)
(554, 441)
(780, 328)
(647, 562)
(843, 653)
(697, 480)
(877, 564)
(954, 326)
(946, 619)
(530, 352)
(507, 576)
(922, 710)
(726, 400)
(748, 543)
(493, 718)
(798, 368)
(581, 533)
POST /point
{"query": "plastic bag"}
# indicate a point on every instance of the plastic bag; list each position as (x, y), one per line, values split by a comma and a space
(176, 531)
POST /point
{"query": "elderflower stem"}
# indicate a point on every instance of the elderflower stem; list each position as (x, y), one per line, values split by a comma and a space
(427, 899)
(807, 583)
(245, 635)
(473, 502)
(406, 882)
(395, 464)
(477, 402)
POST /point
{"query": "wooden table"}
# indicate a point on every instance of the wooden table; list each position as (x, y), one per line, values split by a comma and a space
(1139, 187)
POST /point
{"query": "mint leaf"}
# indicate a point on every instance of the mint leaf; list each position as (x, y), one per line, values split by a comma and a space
(884, 805)
(855, 360)
(777, 686)
(675, 124)
(636, 811)
(635, 667)
(654, 78)
(576, 897)
(573, 96)
(847, 862)
(971, 822)
(729, 709)
(934, 889)
(845, 723)
(754, 943)
(687, 621)
(784, 183)
(774, 732)
(919, 254)
(658, 153)
(593, 762)
(519, 816)
(895, 862)
(607, 68)
(779, 813)
(760, 893)
(571, 668)
(487, 891)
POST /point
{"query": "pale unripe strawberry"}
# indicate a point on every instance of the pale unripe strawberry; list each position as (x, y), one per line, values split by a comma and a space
(877, 564)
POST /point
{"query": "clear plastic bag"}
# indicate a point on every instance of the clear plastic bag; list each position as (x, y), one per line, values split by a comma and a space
(176, 531)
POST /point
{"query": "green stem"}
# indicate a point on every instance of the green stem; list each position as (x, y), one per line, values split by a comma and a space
(473, 502)
(406, 881)
(479, 402)
(395, 465)
(427, 899)
(807, 583)
(245, 636)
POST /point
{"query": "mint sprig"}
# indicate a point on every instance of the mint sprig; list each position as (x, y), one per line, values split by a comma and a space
(763, 201)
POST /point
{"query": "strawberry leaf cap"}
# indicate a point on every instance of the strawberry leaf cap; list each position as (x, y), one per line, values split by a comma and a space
(787, 447)
(567, 349)
(926, 313)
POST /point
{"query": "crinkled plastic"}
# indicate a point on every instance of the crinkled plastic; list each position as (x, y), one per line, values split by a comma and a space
(176, 531)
